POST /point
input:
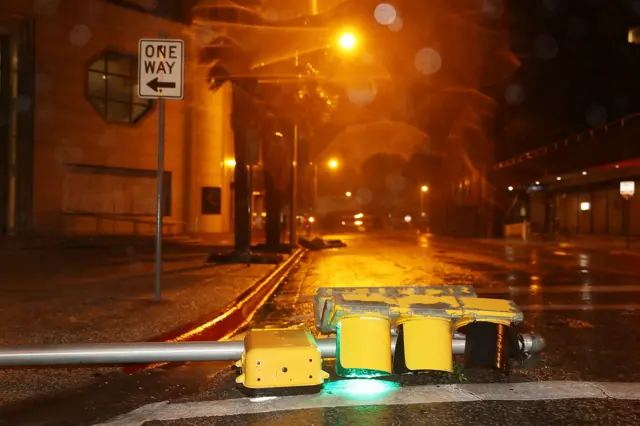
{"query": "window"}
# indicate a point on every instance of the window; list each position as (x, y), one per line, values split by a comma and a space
(112, 88)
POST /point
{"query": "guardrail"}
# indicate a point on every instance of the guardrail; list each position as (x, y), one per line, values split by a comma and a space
(102, 220)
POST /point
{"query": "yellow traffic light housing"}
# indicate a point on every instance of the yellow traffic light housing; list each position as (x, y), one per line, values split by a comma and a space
(280, 359)
(426, 319)
(363, 346)
(424, 343)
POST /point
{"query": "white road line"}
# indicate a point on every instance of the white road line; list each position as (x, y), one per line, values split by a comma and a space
(531, 391)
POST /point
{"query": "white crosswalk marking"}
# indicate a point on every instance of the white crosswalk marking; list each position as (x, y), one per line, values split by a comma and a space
(531, 391)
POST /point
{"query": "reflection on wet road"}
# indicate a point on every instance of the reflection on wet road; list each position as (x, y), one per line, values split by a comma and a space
(585, 304)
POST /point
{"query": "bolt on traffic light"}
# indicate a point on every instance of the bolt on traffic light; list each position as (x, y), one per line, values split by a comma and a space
(363, 346)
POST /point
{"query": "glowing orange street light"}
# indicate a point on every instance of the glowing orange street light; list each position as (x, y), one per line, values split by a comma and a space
(348, 41)
(424, 189)
(333, 164)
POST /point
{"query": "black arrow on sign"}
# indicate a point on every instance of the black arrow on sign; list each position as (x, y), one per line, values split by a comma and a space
(155, 85)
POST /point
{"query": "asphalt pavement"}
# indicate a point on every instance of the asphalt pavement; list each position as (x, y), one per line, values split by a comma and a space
(584, 302)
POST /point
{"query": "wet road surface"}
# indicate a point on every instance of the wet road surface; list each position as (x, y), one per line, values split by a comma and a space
(585, 304)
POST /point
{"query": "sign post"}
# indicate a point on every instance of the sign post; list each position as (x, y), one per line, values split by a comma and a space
(160, 76)
(253, 158)
(627, 190)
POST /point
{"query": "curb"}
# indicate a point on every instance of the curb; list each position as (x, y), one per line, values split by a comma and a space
(233, 317)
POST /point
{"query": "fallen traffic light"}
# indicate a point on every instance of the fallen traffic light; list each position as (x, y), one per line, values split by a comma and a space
(363, 346)
(425, 319)
(278, 360)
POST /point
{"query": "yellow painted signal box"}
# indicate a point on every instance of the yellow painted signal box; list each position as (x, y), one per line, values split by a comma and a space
(280, 358)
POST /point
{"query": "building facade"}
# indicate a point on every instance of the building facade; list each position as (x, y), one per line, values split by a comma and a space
(78, 147)
(573, 186)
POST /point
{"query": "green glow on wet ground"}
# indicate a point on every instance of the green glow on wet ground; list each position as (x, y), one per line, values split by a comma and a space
(360, 388)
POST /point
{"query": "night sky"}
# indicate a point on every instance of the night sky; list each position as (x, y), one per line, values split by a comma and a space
(577, 70)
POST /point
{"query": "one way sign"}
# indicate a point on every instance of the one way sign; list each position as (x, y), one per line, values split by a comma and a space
(161, 69)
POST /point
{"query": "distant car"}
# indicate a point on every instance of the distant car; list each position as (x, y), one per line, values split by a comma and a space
(358, 222)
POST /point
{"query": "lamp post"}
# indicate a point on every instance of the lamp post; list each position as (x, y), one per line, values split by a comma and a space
(332, 164)
(346, 42)
(423, 190)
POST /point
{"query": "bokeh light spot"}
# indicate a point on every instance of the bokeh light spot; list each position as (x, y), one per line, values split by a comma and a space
(23, 103)
(396, 25)
(493, 8)
(363, 93)
(385, 14)
(204, 35)
(364, 196)
(80, 35)
(428, 61)
(514, 95)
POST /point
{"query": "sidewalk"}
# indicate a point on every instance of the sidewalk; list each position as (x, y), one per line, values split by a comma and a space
(610, 244)
(106, 241)
(104, 295)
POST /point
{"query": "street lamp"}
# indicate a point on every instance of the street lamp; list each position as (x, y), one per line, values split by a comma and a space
(348, 194)
(332, 164)
(423, 190)
(348, 41)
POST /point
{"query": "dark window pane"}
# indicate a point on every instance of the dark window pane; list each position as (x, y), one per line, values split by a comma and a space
(139, 111)
(120, 65)
(112, 88)
(118, 89)
(100, 106)
(98, 65)
(119, 112)
(96, 84)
